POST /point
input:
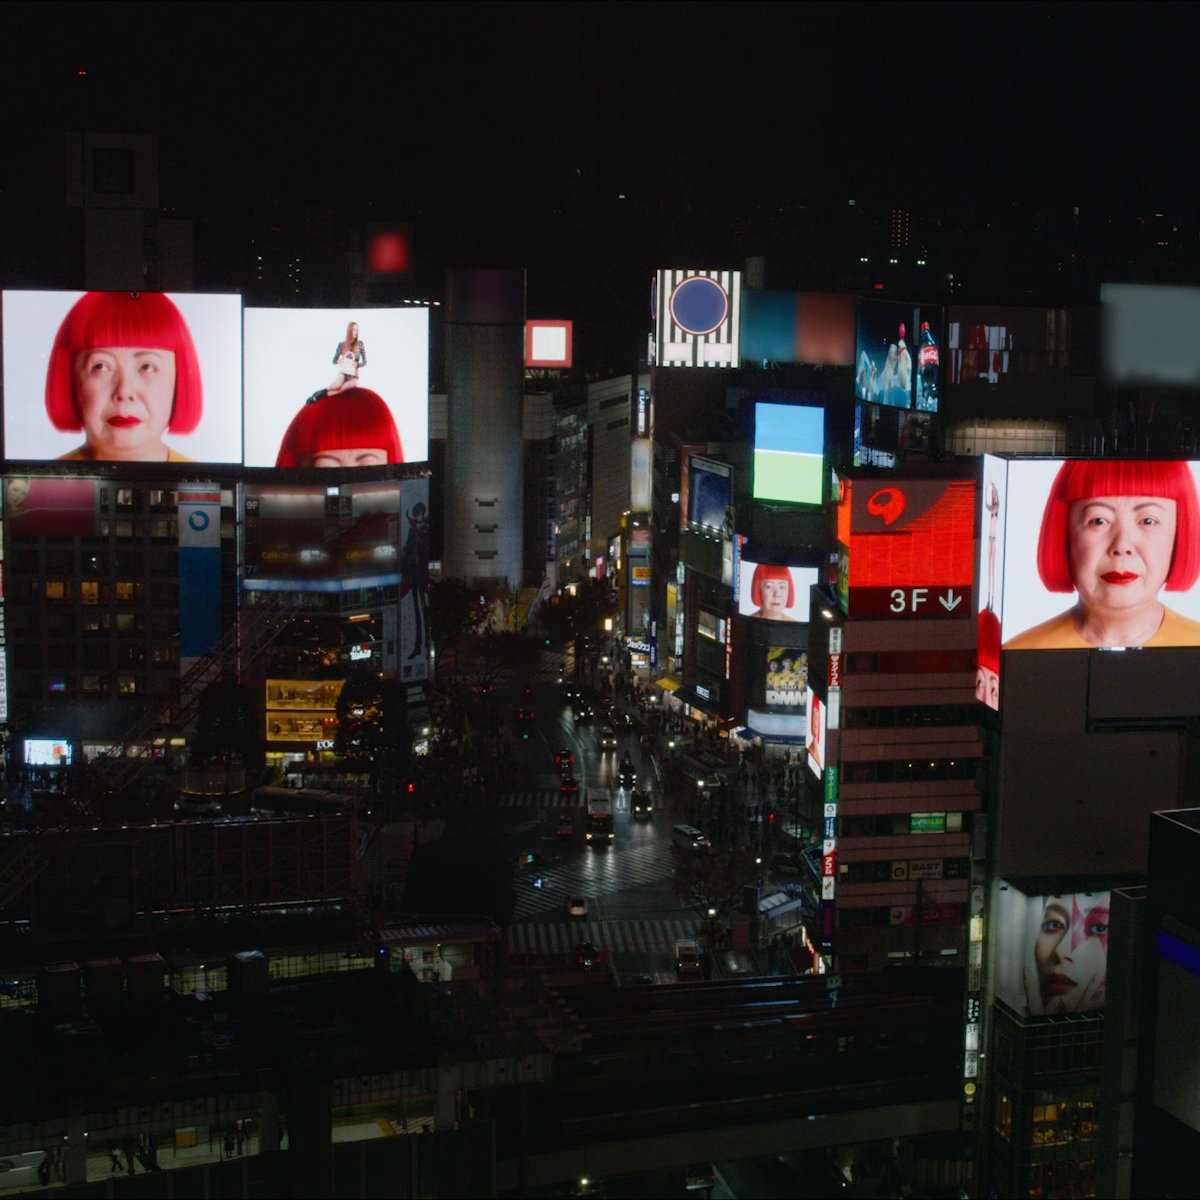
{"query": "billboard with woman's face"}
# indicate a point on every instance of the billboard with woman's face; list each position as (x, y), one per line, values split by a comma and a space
(774, 593)
(122, 377)
(336, 387)
(1098, 554)
(1051, 951)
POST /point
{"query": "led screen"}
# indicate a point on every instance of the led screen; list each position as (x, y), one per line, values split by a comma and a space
(884, 353)
(907, 548)
(698, 317)
(789, 441)
(548, 343)
(336, 386)
(1149, 335)
(122, 377)
(786, 683)
(47, 752)
(815, 744)
(710, 492)
(1100, 554)
(1051, 951)
(991, 574)
(36, 507)
(774, 593)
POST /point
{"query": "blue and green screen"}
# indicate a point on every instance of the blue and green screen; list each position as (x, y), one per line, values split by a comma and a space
(789, 441)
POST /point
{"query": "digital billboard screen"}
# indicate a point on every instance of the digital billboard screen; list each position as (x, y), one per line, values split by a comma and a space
(815, 738)
(789, 444)
(785, 687)
(800, 327)
(907, 548)
(1149, 335)
(122, 376)
(35, 507)
(772, 592)
(884, 353)
(336, 387)
(698, 318)
(1051, 951)
(1099, 553)
(710, 493)
(991, 575)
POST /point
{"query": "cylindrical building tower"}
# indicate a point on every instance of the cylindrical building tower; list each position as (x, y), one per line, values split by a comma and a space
(485, 360)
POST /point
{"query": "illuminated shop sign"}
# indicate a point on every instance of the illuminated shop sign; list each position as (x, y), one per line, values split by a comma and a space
(698, 318)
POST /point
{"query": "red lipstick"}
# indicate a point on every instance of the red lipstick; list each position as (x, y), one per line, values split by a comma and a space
(123, 422)
(1060, 984)
(1119, 577)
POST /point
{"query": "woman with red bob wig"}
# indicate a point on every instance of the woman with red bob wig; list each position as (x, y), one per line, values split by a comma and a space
(1117, 532)
(124, 370)
(354, 430)
(771, 588)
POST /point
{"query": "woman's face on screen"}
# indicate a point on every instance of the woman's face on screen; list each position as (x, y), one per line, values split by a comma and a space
(125, 397)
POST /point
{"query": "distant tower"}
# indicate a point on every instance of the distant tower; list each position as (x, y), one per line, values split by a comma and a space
(485, 374)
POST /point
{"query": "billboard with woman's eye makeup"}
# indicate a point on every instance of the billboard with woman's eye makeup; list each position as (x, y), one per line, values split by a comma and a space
(1097, 553)
(1051, 951)
(336, 387)
(122, 377)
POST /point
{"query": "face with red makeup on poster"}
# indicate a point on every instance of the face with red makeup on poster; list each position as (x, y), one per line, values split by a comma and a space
(1071, 955)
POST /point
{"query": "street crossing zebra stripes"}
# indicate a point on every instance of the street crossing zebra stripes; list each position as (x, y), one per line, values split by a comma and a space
(547, 937)
(538, 798)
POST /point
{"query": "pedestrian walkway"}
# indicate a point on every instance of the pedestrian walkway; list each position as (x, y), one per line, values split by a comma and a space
(636, 936)
(539, 798)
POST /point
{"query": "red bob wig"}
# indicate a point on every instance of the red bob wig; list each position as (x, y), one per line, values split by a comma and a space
(1081, 479)
(353, 420)
(147, 320)
(989, 641)
(764, 572)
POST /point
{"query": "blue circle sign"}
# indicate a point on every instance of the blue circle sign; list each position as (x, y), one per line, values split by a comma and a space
(699, 305)
(199, 521)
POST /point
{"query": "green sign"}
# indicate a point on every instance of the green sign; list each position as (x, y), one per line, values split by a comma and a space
(831, 785)
(927, 823)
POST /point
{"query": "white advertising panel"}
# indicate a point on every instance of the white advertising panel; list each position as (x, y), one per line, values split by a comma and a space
(774, 593)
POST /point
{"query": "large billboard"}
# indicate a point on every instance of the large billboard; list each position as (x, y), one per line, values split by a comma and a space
(1051, 951)
(710, 493)
(337, 387)
(698, 318)
(1097, 553)
(122, 377)
(785, 687)
(789, 445)
(1149, 335)
(897, 352)
(773, 592)
(906, 548)
(800, 327)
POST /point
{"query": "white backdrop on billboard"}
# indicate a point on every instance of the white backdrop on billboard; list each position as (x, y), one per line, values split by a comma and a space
(291, 355)
(1036, 616)
(31, 322)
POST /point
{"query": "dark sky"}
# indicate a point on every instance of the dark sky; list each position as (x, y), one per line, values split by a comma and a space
(479, 119)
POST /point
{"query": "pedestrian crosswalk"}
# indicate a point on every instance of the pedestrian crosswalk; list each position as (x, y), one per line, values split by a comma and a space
(539, 798)
(546, 937)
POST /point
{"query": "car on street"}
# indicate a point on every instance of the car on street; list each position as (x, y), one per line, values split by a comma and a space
(643, 806)
(564, 760)
(699, 1177)
(587, 956)
(565, 827)
(583, 711)
(622, 722)
(607, 738)
(568, 785)
(577, 906)
(627, 773)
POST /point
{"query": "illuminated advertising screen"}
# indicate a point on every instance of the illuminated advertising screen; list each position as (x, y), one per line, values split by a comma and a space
(884, 353)
(414, 579)
(35, 507)
(710, 493)
(291, 545)
(815, 740)
(799, 327)
(122, 377)
(698, 318)
(1099, 554)
(910, 550)
(1051, 951)
(786, 682)
(548, 343)
(1149, 335)
(336, 387)
(774, 593)
(47, 752)
(927, 360)
(789, 443)
(991, 574)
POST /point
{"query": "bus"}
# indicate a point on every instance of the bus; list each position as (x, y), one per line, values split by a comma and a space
(299, 802)
(599, 827)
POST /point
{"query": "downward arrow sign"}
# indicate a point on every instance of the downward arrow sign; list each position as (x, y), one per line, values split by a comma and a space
(950, 601)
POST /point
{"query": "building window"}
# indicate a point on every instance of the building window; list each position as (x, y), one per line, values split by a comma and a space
(58, 590)
(128, 592)
(89, 592)
(127, 685)
(95, 685)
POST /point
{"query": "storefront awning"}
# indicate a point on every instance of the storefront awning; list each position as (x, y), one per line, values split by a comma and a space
(668, 684)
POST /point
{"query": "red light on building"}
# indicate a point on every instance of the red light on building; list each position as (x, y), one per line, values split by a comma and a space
(389, 250)
(548, 343)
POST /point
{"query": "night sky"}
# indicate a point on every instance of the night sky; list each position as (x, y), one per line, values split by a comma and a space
(506, 132)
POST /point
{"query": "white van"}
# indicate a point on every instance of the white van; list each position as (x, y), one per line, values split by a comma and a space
(688, 837)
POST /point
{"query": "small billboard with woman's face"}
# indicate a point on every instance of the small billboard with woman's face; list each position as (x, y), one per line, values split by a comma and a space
(774, 593)
(122, 377)
(336, 387)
